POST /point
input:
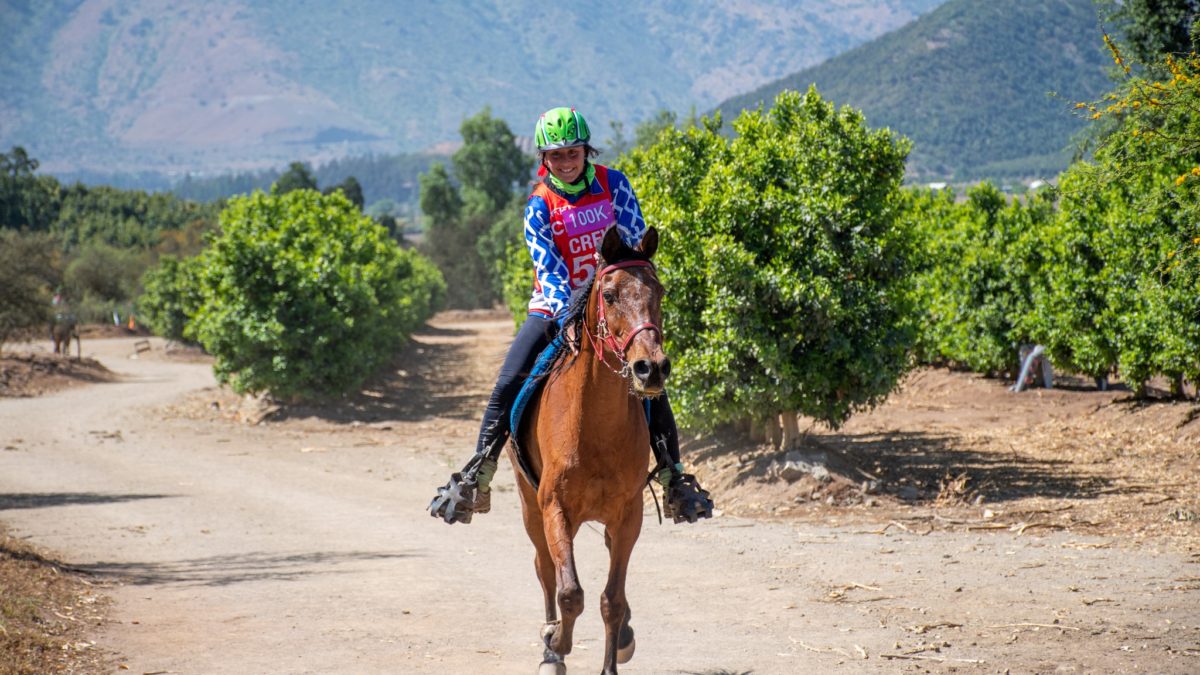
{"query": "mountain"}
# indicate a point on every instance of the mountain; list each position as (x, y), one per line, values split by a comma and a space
(984, 89)
(136, 85)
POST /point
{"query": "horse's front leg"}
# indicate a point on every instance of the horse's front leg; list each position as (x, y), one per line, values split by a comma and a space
(542, 562)
(620, 538)
(560, 537)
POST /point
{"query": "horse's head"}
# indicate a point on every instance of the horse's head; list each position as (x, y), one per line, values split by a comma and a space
(628, 301)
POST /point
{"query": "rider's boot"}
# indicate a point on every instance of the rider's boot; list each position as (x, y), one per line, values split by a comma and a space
(469, 491)
(683, 498)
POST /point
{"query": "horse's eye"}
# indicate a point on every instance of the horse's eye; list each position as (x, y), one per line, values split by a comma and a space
(609, 297)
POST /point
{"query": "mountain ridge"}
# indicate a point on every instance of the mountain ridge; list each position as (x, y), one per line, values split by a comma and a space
(982, 89)
(239, 85)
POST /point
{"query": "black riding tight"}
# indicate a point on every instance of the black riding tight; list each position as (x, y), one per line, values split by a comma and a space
(533, 337)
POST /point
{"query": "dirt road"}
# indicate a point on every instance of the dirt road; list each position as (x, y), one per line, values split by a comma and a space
(301, 546)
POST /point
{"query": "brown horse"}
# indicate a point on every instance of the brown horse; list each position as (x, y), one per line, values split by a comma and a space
(588, 443)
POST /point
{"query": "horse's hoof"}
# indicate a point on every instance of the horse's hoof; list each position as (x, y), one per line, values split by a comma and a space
(552, 668)
(624, 654)
(625, 641)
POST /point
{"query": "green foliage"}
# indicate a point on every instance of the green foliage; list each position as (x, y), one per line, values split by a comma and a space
(784, 259)
(496, 245)
(1069, 295)
(304, 297)
(488, 164)
(516, 278)
(979, 262)
(123, 218)
(975, 85)
(28, 272)
(24, 201)
(1135, 211)
(440, 201)
(1154, 28)
(351, 188)
(103, 278)
(297, 177)
(469, 227)
(171, 296)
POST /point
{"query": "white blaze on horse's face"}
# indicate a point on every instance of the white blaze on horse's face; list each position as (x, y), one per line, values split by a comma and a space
(633, 311)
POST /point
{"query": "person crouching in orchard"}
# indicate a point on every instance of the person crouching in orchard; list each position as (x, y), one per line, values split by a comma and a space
(571, 189)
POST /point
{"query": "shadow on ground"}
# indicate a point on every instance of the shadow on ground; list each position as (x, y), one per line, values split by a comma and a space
(40, 500)
(424, 381)
(226, 570)
(914, 467)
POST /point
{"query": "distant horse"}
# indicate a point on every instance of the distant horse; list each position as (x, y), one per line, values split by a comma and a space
(588, 445)
(64, 327)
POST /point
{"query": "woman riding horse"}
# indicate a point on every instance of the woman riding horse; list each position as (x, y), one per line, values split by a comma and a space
(585, 447)
(566, 218)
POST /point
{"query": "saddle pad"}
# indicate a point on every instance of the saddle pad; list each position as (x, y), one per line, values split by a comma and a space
(530, 389)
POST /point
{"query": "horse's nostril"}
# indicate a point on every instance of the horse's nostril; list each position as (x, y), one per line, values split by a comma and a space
(666, 368)
(641, 368)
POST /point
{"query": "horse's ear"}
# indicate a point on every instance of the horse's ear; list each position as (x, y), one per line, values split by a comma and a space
(610, 250)
(649, 242)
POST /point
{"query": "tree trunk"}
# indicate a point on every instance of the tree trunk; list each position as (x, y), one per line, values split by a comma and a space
(791, 430)
(758, 430)
(774, 433)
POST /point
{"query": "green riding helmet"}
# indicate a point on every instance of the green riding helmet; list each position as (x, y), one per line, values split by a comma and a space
(561, 128)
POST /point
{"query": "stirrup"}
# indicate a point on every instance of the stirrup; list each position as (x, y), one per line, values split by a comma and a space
(463, 496)
(685, 500)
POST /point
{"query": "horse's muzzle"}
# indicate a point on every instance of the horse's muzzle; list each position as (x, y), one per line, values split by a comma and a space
(650, 375)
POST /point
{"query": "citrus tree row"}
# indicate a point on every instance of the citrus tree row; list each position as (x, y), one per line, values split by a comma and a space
(1104, 271)
(802, 279)
(300, 295)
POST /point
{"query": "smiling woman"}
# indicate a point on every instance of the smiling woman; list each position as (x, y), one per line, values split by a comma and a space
(575, 206)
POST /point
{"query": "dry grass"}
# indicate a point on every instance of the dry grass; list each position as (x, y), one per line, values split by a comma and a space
(46, 613)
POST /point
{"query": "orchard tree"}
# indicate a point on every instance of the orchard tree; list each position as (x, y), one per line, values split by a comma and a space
(1071, 314)
(978, 265)
(303, 296)
(469, 225)
(1137, 206)
(29, 270)
(351, 188)
(171, 296)
(1154, 28)
(489, 164)
(785, 263)
(27, 201)
(297, 177)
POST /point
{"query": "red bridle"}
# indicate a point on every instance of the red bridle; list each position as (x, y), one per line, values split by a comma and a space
(602, 332)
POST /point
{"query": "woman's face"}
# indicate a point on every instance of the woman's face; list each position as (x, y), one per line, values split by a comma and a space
(565, 163)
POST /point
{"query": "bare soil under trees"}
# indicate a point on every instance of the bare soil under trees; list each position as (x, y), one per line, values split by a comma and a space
(959, 527)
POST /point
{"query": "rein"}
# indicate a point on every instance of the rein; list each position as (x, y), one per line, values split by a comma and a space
(603, 337)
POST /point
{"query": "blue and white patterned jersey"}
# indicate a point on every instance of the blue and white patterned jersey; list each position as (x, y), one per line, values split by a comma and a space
(556, 283)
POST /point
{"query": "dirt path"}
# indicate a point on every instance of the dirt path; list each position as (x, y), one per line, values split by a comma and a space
(301, 546)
